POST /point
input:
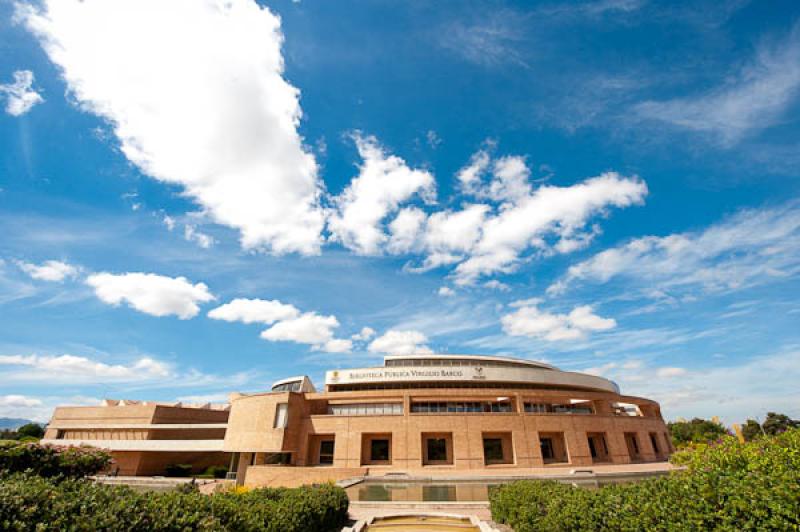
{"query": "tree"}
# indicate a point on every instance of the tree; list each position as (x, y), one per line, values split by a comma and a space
(32, 430)
(778, 423)
(751, 430)
(695, 431)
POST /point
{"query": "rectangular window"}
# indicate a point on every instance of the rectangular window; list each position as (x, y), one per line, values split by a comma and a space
(379, 450)
(437, 449)
(281, 415)
(547, 448)
(326, 452)
(365, 409)
(493, 450)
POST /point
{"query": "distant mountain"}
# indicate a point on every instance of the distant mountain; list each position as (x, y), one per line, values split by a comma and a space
(13, 422)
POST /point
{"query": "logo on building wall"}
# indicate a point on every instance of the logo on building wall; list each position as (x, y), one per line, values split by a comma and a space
(335, 375)
(478, 375)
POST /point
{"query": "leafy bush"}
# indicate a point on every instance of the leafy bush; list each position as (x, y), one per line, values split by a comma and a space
(178, 470)
(36, 503)
(32, 430)
(695, 431)
(725, 486)
(215, 471)
(52, 460)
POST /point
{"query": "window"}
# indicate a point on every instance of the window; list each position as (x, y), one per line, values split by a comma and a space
(654, 441)
(547, 408)
(437, 449)
(326, 452)
(379, 451)
(281, 415)
(366, 409)
(493, 450)
(547, 448)
(425, 407)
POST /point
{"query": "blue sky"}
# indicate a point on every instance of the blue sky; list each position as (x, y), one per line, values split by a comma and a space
(202, 197)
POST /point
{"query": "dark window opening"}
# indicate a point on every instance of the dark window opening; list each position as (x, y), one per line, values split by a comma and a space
(379, 450)
(437, 449)
(326, 452)
(547, 448)
(493, 450)
(654, 441)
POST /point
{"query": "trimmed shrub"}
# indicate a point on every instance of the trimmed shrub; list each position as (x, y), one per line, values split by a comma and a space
(52, 460)
(726, 486)
(36, 503)
(216, 471)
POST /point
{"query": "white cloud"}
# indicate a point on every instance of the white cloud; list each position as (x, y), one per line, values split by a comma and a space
(494, 284)
(668, 373)
(531, 322)
(254, 311)
(753, 100)
(78, 368)
(191, 234)
(395, 342)
(169, 222)
(309, 328)
(288, 324)
(446, 291)
(152, 294)
(50, 270)
(406, 230)
(383, 183)
(365, 334)
(470, 176)
(751, 247)
(548, 210)
(20, 97)
(200, 102)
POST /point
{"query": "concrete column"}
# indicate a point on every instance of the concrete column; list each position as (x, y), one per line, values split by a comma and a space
(241, 471)
(617, 448)
(578, 448)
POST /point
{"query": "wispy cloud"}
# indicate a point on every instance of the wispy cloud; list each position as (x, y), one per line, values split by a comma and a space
(490, 42)
(754, 99)
(749, 248)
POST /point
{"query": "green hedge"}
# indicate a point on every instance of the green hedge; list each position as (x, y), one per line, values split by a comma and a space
(726, 486)
(52, 460)
(41, 504)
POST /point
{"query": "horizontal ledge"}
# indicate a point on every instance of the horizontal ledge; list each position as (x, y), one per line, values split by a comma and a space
(143, 426)
(143, 445)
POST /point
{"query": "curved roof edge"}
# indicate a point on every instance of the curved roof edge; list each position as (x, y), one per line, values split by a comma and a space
(496, 358)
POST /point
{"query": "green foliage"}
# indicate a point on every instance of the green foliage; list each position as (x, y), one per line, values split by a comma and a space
(178, 470)
(36, 503)
(725, 486)
(31, 430)
(52, 460)
(773, 424)
(695, 431)
(216, 471)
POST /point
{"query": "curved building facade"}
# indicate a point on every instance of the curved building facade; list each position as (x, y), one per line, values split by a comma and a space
(439, 415)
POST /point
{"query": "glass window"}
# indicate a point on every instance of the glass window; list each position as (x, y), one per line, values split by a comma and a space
(493, 450)
(654, 441)
(437, 449)
(326, 452)
(281, 415)
(379, 450)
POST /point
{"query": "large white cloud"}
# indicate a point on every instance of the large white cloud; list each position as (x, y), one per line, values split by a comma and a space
(20, 96)
(39, 367)
(394, 342)
(751, 247)
(383, 183)
(254, 311)
(288, 324)
(309, 328)
(152, 294)
(50, 270)
(195, 93)
(528, 320)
